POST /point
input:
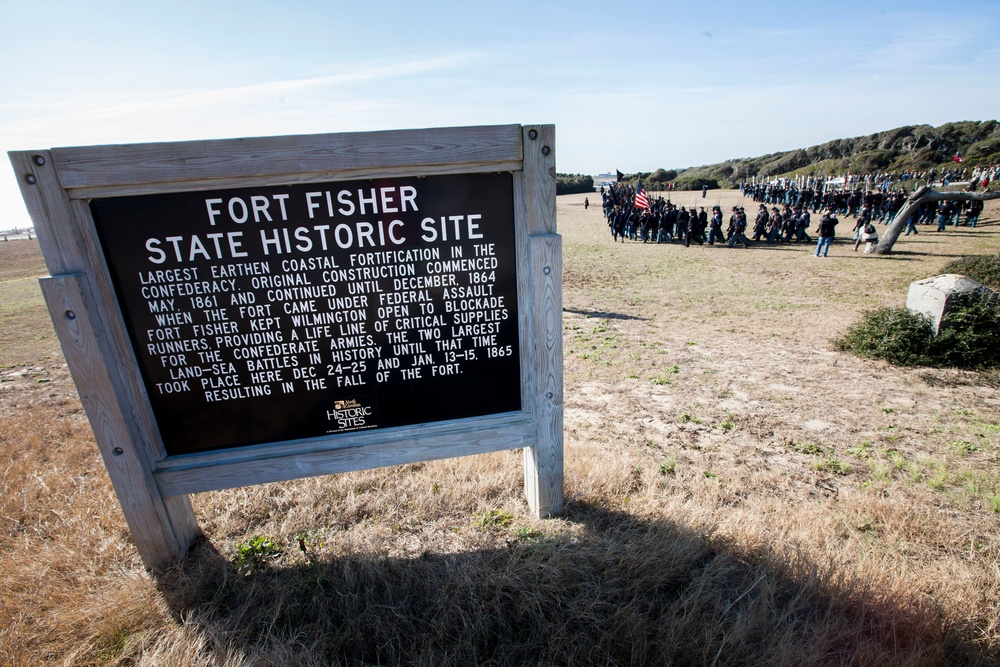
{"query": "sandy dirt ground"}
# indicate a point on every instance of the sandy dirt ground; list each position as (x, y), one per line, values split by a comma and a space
(723, 358)
(702, 389)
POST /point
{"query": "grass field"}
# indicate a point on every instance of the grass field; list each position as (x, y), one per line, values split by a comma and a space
(738, 493)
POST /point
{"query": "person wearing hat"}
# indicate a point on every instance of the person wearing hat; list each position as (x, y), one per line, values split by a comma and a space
(774, 226)
(801, 225)
(760, 222)
(715, 226)
(739, 224)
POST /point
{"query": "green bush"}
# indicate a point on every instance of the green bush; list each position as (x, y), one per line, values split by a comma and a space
(983, 269)
(971, 338)
(567, 184)
(696, 183)
(896, 335)
(661, 176)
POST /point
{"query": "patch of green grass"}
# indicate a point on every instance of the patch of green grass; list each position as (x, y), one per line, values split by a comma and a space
(987, 427)
(495, 519)
(863, 450)
(525, 533)
(882, 472)
(310, 539)
(994, 502)
(672, 369)
(727, 425)
(709, 474)
(896, 458)
(804, 447)
(660, 380)
(669, 468)
(977, 484)
(836, 466)
(962, 448)
(256, 552)
(687, 418)
(940, 479)
(888, 411)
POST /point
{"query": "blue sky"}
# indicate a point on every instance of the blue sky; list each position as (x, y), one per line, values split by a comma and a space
(654, 85)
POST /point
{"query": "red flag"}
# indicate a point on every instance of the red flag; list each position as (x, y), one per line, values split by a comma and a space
(641, 201)
(958, 158)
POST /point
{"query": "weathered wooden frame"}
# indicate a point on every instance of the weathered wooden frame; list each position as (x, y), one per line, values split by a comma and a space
(153, 488)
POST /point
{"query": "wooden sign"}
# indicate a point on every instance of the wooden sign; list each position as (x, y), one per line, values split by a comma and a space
(237, 312)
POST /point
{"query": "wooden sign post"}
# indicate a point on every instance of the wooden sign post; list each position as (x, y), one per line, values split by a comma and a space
(244, 311)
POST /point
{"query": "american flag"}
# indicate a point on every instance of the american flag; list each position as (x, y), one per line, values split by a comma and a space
(641, 201)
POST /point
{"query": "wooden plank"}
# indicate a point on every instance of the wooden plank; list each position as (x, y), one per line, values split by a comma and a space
(132, 392)
(293, 179)
(543, 468)
(274, 157)
(543, 463)
(161, 530)
(540, 178)
(161, 533)
(48, 207)
(192, 473)
(524, 291)
(427, 432)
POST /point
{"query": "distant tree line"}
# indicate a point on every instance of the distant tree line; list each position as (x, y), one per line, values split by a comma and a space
(912, 148)
(661, 179)
(568, 184)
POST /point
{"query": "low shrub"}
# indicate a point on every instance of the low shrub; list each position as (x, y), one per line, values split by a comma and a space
(567, 184)
(896, 335)
(695, 183)
(971, 338)
(983, 269)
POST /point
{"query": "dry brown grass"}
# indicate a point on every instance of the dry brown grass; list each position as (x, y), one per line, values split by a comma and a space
(738, 493)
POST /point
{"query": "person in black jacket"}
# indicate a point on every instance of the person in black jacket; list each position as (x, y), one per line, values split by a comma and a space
(827, 230)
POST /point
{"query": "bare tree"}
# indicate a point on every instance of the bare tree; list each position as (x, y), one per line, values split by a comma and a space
(912, 205)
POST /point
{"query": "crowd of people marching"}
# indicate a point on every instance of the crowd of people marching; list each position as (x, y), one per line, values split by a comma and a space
(784, 206)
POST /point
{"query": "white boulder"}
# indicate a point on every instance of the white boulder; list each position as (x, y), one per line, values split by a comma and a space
(935, 297)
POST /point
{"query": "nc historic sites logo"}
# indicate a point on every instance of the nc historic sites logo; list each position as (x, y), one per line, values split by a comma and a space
(351, 414)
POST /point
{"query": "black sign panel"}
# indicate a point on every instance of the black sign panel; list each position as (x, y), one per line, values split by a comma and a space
(270, 314)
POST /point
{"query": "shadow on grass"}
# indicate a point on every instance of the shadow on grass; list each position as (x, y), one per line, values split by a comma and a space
(615, 591)
(604, 314)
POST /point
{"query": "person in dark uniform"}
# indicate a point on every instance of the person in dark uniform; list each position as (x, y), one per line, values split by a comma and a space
(740, 227)
(715, 227)
(760, 223)
(692, 230)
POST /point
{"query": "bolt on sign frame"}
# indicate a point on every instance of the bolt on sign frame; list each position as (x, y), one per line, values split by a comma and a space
(86, 202)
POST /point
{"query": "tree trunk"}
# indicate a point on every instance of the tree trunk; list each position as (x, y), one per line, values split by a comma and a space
(912, 205)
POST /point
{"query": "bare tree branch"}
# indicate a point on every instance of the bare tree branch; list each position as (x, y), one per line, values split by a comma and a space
(912, 205)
